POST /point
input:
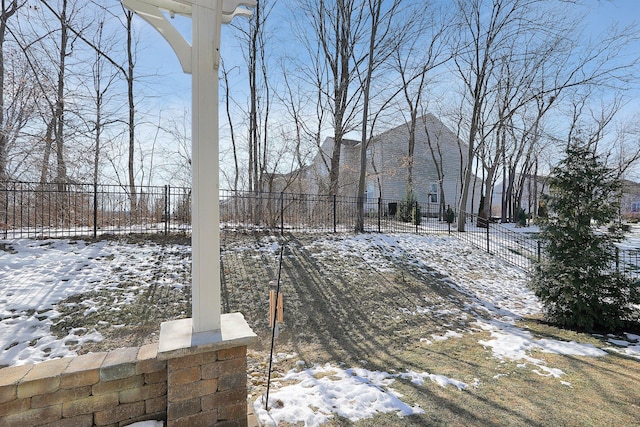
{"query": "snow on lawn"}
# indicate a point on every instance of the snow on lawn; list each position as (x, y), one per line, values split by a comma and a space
(36, 275)
(516, 344)
(629, 347)
(316, 394)
(500, 293)
(500, 290)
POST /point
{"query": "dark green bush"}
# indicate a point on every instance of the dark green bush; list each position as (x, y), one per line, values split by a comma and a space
(409, 209)
(576, 280)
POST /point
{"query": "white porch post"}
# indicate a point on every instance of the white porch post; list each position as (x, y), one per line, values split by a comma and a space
(201, 59)
(205, 218)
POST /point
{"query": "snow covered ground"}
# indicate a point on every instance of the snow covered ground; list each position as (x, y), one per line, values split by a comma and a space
(35, 275)
(500, 297)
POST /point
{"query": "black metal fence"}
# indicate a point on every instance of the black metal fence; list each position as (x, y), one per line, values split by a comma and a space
(33, 210)
(628, 262)
(518, 248)
(293, 212)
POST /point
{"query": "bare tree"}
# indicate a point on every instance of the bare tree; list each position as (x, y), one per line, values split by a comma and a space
(21, 99)
(103, 78)
(331, 33)
(379, 50)
(8, 9)
(544, 42)
(232, 132)
(47, 50)
(129, 74)
(423, 51)
(487, 33)
(304, 136)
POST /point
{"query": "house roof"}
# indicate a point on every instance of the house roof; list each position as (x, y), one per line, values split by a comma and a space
(350, 142)
(629, 186)
(433, 124)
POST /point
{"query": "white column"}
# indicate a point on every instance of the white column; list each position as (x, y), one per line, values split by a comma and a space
(205, 236)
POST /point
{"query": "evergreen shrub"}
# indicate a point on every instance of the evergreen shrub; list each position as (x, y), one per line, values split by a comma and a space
(409, 209)
(576, 279)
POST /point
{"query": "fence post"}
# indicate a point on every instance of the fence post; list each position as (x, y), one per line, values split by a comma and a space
(617, 259)
(6, 210)
(167, 194)
(488, 225)
(539, 249)
(379, 212)
(416, 216)
(95, 210)
(282, 213)
(334, 214)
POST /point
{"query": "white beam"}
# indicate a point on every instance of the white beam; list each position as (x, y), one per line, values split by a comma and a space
(201, 59)
(151, 13)
(205, 236)
(173, 6)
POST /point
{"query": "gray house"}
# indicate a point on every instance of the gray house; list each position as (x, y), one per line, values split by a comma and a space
(438, 163)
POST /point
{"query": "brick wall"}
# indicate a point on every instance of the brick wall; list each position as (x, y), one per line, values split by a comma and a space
(102, 389)
(208, 389)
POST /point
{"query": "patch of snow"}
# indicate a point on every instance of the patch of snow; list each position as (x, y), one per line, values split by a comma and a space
(512, 343)
(632, 337)
(630, 350)
(314, 395)
(446, 336)
(39, 274)
(441, 380)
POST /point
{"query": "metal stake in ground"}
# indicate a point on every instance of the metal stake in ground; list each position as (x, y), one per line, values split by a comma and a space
(274, 321)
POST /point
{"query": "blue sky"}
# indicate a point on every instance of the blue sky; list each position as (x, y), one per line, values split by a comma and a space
(173, 86)
(170, 88)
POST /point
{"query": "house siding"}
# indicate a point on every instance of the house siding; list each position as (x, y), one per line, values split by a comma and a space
(387, 165)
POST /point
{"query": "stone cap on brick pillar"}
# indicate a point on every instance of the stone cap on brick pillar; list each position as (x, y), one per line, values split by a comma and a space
(177, 338)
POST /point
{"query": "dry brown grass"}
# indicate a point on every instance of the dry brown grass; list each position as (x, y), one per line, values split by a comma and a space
(340, 310)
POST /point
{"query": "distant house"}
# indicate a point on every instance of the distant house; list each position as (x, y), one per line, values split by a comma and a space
(526, 193)
(387, 167)
(533, 188)
(630, 204)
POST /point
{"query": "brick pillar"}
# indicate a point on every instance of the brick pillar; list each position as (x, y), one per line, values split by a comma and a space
(206, 380)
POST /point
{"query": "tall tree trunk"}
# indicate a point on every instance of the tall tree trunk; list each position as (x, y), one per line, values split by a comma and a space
(411, 150)
(61, 167)
(341, 80)
(48, 140)
(232, 133)
(436, 157)
(364, 141)
(466, 184)
(3, 135)
(9, 8)
(133, 196)
(254, 157)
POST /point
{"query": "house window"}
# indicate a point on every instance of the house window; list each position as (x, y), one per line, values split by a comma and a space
(433, 193)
